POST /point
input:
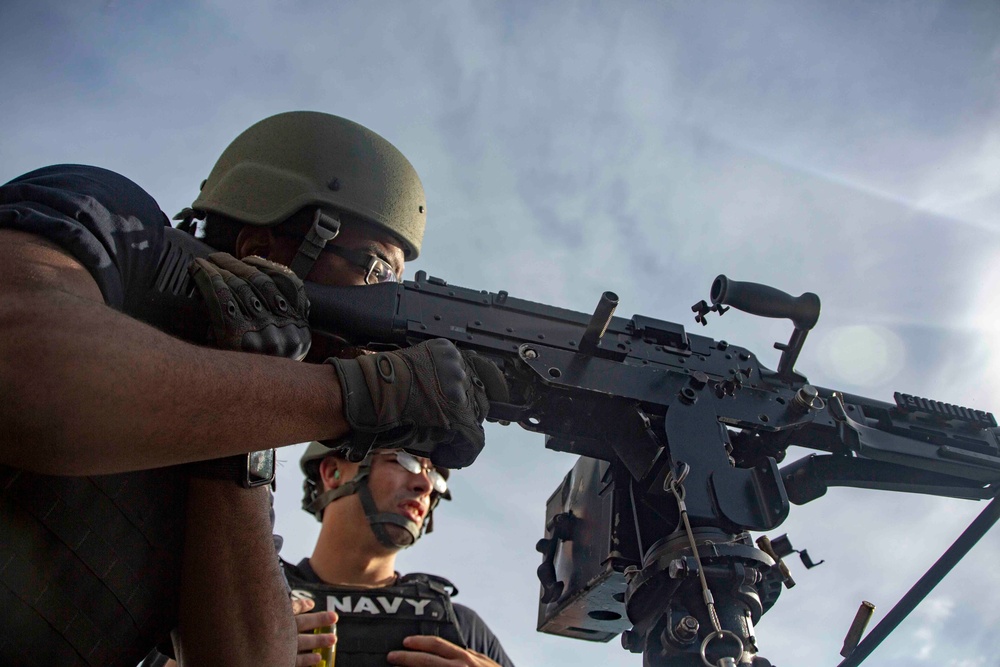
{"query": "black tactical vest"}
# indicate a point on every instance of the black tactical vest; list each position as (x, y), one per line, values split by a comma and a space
(374, 621)
(90, 566)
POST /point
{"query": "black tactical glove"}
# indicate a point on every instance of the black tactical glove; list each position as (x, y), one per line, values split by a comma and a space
(426, 398)
(255, 305)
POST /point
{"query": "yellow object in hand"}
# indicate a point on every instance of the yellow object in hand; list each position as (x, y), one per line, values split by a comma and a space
(328, 654)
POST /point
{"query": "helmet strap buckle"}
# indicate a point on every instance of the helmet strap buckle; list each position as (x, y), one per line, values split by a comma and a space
(324, 229)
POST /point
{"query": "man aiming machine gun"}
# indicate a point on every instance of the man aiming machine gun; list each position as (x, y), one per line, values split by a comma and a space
(688, 433)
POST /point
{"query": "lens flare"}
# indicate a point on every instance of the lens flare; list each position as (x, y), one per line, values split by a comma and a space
(862, 355)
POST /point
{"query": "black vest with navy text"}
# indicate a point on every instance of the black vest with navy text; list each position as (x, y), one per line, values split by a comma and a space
(374, 621)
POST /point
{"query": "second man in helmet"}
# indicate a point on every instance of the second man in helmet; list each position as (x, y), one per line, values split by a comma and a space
(369, 512)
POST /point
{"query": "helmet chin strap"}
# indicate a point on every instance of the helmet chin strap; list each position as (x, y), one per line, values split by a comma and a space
(324, 229)
(377, 521)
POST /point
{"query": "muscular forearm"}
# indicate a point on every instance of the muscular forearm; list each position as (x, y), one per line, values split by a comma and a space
(110, 394)
(234, 605)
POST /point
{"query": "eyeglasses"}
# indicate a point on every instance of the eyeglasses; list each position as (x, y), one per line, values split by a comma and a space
(414, 465)
(376, 269)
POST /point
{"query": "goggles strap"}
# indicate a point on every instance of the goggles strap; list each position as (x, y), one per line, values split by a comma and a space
(324, 229)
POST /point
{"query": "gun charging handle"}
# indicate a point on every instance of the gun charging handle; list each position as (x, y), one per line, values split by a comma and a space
(766, 301)
(599, 322)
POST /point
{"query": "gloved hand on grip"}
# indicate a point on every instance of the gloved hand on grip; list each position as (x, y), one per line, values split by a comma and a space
(427, 398)
(255, 305)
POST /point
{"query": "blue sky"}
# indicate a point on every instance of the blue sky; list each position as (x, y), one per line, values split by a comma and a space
(850, 149)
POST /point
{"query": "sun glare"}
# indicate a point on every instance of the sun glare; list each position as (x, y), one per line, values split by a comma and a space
(862, 355)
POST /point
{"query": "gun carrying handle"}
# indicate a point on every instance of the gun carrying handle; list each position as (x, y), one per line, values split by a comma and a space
(766, 301)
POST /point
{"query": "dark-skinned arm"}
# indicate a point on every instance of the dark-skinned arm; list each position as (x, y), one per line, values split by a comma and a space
(93, 391)
(234, 605)
(85, 383)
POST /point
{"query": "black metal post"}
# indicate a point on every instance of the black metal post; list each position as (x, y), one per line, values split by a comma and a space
(979, 527)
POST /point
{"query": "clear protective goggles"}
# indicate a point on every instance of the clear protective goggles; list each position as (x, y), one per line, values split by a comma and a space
(415, 465)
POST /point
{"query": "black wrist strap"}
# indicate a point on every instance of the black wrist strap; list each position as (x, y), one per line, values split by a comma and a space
(247, 470)
(359, 409)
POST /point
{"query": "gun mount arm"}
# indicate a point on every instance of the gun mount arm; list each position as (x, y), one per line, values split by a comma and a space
(959, 548)
(809, 477)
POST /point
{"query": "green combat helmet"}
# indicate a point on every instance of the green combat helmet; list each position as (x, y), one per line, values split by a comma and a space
(306, 158)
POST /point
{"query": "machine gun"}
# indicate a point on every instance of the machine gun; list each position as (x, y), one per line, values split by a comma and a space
(682, 436)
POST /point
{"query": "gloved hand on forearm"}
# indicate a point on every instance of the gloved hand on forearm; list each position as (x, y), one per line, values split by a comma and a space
(255, 305)
(428, 398)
